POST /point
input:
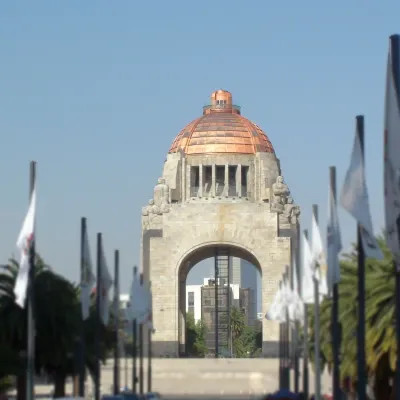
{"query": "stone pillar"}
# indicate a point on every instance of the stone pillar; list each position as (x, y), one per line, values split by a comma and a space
(239, 180)
(182, 317)
(226, 181)
(213, 181)
(183, 179)
(200, 193)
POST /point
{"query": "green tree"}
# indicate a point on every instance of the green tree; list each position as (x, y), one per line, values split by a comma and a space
(58, 321)
(380, 320)
(195, 337)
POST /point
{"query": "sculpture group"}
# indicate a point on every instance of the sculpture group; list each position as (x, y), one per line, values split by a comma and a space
(282, 202)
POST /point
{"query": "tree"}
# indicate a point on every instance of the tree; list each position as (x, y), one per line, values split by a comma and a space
(380, 320)
(195, 337)
(57, 324)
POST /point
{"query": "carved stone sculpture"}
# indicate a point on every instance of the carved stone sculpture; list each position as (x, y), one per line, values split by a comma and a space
(291, 211)
(159, 204)
(280, 192)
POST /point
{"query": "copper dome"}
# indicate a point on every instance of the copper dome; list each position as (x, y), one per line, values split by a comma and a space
(221, 129)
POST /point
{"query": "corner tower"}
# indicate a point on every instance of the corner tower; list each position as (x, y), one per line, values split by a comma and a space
(221, 194)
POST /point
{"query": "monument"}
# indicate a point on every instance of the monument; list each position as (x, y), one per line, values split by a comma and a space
(222, 194)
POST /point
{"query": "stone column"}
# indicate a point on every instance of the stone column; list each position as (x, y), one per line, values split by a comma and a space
(183, 179)
(239, 180)
(213, 181)
(226, 181)
(200, 193)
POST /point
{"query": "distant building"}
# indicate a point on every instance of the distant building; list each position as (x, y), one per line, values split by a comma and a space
(245, 275)
(193, 301)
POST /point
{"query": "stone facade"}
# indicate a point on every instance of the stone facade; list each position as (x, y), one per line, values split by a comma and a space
(247, 208)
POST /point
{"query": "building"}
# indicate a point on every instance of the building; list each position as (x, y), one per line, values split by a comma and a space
(221, 195)
(245, 276)
(193, 301)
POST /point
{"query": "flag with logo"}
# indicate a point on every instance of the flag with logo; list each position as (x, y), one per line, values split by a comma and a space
(354, 199)
(87, 279)
(25, 245)
(105, 286)
(392, 149)
(318, 263)
(334, 243)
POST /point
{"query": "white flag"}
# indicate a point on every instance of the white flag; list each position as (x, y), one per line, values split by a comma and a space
(105, 286)
(334, 243)
(88, 278)
(25, 241)
(392, 150)
(318, 258)
(307, 283)
(276, 309)
(296, 311)
(354, 199)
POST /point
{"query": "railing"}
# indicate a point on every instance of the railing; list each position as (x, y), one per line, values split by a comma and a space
(221, 107)
(220, 190)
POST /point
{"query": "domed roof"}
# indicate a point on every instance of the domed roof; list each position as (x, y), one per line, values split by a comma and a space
(221, 129)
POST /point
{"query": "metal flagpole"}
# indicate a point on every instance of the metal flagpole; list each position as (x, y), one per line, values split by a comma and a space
(305, 341)
(141, 342)
(361, 368)
(287, 336)
(295, 331)
(98, 318)
(116, 326)
(30, 367)
(134, 340)
(82, 349)
(336, 332)
(317, 325)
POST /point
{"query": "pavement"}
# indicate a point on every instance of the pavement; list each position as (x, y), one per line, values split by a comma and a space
(199, 379)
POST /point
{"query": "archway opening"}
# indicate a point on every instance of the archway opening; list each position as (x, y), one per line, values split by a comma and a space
(220, 303)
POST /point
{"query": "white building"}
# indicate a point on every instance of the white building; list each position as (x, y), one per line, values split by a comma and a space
(193, 298)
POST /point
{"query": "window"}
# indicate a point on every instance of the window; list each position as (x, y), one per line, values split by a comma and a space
(245, 174)
(207, 179)
(219, 179)
(194, 181)
(191, 299)
(232, 169)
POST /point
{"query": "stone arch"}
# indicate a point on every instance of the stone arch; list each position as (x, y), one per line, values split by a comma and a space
(206, 250)
(192, 257)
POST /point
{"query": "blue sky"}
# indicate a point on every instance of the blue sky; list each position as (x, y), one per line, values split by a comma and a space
(96, 91)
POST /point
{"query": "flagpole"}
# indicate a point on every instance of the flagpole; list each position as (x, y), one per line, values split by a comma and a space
(305, 339)
(116, 327)
(281, 374)
(395, 55)
(30, 304)
(287, 336)
(317, 325)
(134, 340)
(141, 342)
(98, 318)
(336, 332)
(82, 333)
(295, 331)
(361, 367)
(149, 349)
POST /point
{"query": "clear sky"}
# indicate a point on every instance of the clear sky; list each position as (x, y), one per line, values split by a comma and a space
(96, 91)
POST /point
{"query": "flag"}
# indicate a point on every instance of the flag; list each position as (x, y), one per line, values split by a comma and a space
(334, 243)
(296, 308)
(144, 312)
(392, 149)
(24, 244)
(88, 278)
(318, 263)
(105, 286)
(354, 199)
(307, 284)
(276, 310)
